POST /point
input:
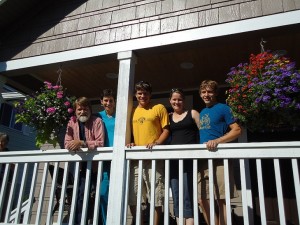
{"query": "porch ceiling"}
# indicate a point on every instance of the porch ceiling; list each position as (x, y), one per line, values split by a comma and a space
(212, 59)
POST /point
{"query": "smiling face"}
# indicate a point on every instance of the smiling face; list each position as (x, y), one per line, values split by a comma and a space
(208, 95)
(83, 113)
(177, 102)
(143, 97)
(109, 104)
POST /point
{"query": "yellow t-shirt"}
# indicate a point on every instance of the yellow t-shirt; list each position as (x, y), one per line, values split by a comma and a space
(148, 123)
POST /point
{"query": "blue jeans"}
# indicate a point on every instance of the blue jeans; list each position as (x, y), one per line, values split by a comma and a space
(187, 188)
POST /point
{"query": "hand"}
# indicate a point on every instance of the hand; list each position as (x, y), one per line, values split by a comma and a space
(150, 145)
(130, 145)
(212, 145)
(74, 145)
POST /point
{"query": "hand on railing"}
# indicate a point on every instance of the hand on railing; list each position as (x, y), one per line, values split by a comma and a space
(130, 145)
(212, 145)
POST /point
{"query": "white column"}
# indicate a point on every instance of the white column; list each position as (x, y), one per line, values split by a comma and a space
(244, 139)
(121, 137)
(2, 82)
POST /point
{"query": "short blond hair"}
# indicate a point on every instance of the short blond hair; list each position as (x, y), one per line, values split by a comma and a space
(211, 84)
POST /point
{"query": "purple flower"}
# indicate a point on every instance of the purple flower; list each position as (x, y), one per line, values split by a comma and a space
(266, 98)
(257, 100)
(293, 81)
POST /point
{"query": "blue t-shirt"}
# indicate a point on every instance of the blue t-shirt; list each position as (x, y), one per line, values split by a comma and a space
(109, 125)
(214, 122)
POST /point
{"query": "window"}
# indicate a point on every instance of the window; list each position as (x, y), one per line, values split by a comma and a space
(7, 117)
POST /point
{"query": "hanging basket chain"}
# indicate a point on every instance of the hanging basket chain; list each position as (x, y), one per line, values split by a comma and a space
(262, 49)
(59, 72)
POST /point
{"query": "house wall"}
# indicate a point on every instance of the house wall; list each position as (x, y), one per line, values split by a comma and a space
(77, 24)
(19, 141)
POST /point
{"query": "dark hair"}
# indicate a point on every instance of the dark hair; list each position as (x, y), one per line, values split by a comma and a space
(143, 85)
(4, 136)
(177, 90)
(82, 101)
(108, 93)
(211, 84)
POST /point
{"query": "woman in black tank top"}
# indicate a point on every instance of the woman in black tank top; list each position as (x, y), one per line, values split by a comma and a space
(184, 130)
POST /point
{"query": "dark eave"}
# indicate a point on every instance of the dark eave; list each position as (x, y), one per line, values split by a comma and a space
(15, 13)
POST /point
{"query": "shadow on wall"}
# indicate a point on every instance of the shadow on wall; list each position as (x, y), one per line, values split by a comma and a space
(23, 28)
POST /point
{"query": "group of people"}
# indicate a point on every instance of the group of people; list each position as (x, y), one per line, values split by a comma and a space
(152, 125)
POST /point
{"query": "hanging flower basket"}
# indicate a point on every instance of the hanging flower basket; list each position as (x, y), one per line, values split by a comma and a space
(47, 111)
(265, 93)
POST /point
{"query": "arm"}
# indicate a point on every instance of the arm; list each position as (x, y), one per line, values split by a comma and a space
(235, 131)
(71, 143)
(97, 135)
(131, 144)
(196, 117)
(162, 138)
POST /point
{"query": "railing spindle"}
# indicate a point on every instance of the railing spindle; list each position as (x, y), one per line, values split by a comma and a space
(279, 192)
(74, 194)
(167, 188)
(21, 193)
(260, 184)
(297, 184)
(211, 191)
(227, 191)
(50, 213)
(98, 197)
(42, 194)
(195, 191)
(152, 194)
(139, 193)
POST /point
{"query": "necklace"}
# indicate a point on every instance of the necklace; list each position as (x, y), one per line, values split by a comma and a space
(109, 115)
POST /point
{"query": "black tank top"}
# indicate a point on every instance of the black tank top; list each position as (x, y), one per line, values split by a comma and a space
(184, 131)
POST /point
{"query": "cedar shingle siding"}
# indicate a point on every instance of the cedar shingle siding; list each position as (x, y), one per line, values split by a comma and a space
(65, 25)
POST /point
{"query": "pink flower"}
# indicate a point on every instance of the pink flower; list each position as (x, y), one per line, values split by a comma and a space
(67, 103)
(56, 87)
(70, 110)
(50, 110)
(48, 84)
(59, 94)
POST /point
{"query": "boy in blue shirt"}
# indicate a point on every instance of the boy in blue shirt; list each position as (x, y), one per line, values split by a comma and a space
(217, 125)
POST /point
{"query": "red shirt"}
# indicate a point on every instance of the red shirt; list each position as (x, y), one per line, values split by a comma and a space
(94, 132)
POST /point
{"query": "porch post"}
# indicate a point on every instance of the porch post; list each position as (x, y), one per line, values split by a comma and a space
(121, 137)
(250, 210)
(2, 82)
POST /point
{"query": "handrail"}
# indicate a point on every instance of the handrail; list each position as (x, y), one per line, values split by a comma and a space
(240, 151)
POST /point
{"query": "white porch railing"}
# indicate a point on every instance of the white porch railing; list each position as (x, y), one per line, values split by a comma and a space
(27, 193)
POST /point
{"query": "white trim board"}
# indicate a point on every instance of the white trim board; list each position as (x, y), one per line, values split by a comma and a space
(236, 27)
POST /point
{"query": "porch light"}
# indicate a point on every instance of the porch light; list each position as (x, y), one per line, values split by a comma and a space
(186, 65)
(111, 75)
